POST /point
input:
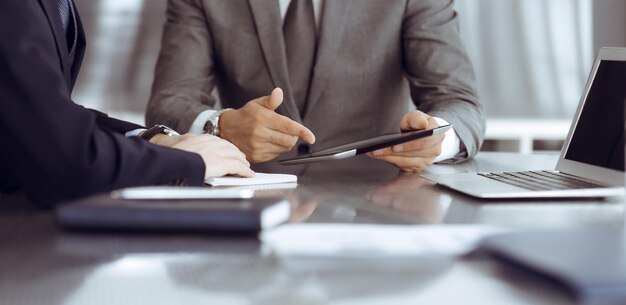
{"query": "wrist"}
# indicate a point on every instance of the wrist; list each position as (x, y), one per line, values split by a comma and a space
(157, 138)
(223, 118)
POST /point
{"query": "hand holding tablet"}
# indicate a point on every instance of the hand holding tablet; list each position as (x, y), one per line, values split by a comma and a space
(365, 146)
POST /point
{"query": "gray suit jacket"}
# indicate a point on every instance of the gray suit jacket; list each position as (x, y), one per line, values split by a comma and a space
(373, 57)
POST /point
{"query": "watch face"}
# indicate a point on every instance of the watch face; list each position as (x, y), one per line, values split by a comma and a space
(209, 128)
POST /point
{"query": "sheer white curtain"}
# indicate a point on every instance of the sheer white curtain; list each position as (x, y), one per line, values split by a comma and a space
(532, 57)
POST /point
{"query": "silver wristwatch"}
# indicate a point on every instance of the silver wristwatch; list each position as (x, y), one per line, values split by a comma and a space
(212, 125)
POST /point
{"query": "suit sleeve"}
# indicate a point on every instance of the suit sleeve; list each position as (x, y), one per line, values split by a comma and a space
(114, 124)
(440, 74)
(60, 152)
(184, 77)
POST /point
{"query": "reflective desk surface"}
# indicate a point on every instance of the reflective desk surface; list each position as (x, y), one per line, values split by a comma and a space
(41, 264)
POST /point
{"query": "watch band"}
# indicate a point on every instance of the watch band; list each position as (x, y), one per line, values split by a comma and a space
(158, 129)
(212, 125)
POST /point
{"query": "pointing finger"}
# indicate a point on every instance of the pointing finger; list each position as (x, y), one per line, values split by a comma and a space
(282, 139)
(291, 127)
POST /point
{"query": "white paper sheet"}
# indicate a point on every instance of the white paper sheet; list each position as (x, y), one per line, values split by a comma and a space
(258, 179)
(375, 241)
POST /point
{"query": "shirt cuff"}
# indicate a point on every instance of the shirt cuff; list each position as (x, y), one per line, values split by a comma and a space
(451, 145)
(197, 127)
(134, 132)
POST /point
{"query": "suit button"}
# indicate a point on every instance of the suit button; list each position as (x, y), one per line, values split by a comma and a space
(303, 149)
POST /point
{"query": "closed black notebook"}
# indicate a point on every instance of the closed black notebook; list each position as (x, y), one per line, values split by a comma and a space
(103, 212)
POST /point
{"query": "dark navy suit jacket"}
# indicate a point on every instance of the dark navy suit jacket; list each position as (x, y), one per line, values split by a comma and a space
(51, 148)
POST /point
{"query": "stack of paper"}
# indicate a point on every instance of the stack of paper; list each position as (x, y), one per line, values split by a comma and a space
(375, 241)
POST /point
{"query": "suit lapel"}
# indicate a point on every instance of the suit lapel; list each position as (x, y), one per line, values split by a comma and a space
(270, 31)
(335, 14)
(81, 44)
(59, 36)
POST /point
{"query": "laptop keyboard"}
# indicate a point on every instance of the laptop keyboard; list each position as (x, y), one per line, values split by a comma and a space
(542, 180)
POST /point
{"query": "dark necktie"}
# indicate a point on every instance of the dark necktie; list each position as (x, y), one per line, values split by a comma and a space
(301, 42)
(68, 21)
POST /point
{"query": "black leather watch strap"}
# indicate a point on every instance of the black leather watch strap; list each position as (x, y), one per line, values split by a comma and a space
(155, 130)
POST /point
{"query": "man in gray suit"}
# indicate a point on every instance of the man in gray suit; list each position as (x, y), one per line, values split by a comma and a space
(347, 69)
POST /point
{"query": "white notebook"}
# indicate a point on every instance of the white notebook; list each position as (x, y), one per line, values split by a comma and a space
(258, 179)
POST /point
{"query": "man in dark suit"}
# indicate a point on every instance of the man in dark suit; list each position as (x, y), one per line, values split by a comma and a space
(347, 69)
(55, 150)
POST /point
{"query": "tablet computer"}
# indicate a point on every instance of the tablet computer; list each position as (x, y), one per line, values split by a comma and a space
(364, 146)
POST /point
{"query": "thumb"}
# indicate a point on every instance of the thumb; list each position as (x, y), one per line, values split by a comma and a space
(273, 101)
(414, 120)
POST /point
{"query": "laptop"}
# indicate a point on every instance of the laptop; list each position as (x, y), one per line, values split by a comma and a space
(591, 163)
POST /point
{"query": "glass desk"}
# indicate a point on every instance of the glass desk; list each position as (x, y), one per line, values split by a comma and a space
(41, 264)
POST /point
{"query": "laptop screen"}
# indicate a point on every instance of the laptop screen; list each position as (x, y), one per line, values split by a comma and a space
(599, 136)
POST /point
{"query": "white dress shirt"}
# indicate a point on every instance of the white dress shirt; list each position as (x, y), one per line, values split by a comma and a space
(451, 145)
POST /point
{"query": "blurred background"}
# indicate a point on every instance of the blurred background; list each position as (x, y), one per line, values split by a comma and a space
(532, 59)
